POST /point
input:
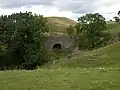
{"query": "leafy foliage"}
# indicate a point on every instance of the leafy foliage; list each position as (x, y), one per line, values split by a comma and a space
(22, 36)
(70, 30)
(91, 27)
(119, 13)
(117, 19)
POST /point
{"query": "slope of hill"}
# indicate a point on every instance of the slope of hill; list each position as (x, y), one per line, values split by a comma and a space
(113, 27)
(104, 57)
(91, 70)
(59, 24)
(70, 75)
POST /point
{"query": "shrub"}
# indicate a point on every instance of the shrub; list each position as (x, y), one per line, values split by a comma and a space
(91, 31)
(22, 35)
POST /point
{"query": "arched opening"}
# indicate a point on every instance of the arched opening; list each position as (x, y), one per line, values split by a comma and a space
(57, 46)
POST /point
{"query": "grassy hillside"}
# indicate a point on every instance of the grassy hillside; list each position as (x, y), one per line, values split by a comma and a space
(103, 57)
(89, 70)
(59, 24)
(113, 27)
(70, 75)
(65, 79)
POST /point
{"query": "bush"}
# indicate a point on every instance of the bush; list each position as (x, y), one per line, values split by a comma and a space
(118, 35)
(53, 56)
(70, 30)
(22, 36)
(91, 31)
(84, 42)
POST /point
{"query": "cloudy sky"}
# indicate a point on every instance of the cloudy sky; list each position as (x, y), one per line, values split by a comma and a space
(63, 8)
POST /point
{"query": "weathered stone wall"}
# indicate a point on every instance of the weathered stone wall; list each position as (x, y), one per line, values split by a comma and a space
(64, 40)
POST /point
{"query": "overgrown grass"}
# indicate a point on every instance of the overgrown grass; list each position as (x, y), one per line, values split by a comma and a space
(65, 79)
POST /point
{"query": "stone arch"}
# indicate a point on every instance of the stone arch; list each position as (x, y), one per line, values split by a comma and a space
(60, 41)
(57, 46)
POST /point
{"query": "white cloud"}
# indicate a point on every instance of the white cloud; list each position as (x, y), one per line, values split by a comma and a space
(18, 3)
(64, 8)
(76, 6)
(109, 8)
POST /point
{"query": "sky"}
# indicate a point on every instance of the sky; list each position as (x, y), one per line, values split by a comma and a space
(62, 8)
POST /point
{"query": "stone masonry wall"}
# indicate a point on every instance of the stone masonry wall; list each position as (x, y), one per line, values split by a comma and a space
(64, 40)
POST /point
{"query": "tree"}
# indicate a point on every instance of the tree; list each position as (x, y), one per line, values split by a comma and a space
(119, 13)
(22, 36)
(70, 30)
(91, 26)
(116, 19)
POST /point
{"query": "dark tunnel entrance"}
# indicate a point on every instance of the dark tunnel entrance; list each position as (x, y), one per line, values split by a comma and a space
(57, 46)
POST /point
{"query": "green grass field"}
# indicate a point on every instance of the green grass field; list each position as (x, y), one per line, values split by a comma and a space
(64, 79)
(94, 70)
(90, 70)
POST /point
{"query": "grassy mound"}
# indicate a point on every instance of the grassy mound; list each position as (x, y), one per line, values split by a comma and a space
(59, 24)
(103, 57)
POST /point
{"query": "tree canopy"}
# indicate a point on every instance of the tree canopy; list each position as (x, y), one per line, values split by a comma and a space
(22, 40)
(119, 13)
(92, 27)
(117, 19)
